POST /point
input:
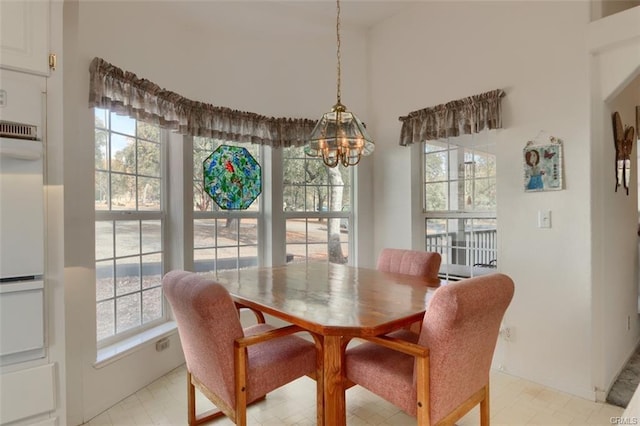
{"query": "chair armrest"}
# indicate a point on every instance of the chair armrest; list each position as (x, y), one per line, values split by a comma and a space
(399, 345)
(243, 342)
(259, 315)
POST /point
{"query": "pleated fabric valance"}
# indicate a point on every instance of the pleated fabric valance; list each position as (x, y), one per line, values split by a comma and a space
(124, 93)
(463, 116)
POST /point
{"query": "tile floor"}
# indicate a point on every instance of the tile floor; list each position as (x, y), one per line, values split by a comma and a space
(513, 402)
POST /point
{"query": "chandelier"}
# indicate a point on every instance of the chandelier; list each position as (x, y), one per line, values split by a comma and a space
(339, 137)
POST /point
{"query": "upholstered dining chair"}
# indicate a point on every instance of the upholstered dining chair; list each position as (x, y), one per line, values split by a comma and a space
(231, 366)
(411, 262)
(446, 373)
(424, 264)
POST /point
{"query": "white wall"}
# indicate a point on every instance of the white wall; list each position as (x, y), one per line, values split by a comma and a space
(535, 51)
(614, 44)
(431, 53)
(277, 75)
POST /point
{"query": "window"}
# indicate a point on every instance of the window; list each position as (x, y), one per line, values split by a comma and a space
(129, 189)
(222, 239)
(316, 203)
(460, 203)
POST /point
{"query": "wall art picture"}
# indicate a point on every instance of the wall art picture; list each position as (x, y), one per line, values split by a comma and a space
(543, 165)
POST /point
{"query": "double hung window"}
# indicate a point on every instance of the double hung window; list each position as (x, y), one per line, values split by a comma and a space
(316, 203)
(129, 206)
(460, 203)
(222, 239)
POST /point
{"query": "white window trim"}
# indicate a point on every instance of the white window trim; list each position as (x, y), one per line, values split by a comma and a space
(447, 270)
(111, 348)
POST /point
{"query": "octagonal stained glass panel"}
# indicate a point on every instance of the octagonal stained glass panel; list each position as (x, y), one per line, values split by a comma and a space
(232, 177)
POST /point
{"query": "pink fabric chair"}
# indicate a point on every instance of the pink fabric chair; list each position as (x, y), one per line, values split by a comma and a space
(446, 373)
(425, 264)
(411, 262)
(231, 366)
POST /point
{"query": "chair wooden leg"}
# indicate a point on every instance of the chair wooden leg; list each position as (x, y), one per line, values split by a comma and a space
(484, 408)
(240, 358)
(192, 418)
(191, 401)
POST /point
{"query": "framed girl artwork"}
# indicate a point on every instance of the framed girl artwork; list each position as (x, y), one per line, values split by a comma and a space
(542, 161)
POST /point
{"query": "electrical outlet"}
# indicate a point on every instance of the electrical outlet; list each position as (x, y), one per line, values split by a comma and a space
(3, 98)
(162, 344)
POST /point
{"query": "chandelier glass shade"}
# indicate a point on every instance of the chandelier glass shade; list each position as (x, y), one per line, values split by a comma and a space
(339, 137)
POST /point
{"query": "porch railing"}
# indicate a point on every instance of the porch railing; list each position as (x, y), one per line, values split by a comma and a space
(467, 248)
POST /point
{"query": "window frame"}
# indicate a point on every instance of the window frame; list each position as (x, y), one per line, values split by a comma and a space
(216, 214)
(115, 216)
(449, 271)
(326, 215)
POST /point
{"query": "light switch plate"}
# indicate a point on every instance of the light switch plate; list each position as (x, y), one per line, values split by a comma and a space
(544, 218)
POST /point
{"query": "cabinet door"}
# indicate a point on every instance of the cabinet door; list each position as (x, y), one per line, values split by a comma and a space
(24, 35)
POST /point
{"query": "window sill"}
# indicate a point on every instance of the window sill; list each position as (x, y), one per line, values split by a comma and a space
(119, 350)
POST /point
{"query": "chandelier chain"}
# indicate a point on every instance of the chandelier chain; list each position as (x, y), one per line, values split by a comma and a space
(338, 49)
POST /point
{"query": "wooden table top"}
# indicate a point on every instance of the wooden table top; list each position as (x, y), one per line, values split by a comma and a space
(331, 299)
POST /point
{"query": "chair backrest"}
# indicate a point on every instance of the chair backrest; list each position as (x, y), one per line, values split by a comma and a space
(208, 324)
(411, 262)
(460, 328)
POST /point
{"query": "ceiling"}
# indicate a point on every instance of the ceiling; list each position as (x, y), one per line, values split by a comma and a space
(283, 17)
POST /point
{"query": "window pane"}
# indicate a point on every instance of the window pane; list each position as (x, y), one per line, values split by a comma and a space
(104, 239)
(123, 124)
(485, 195)
(434, 146)
(101, 117)
(436, 196)
(128, 312)
(204, 260)
(102, 191)
(151, 305)
(151, 270)
(436, 166)
(204, 233)
(127, 275)
(123, 154)
(148, 158)
(104, 280)
(149, 194)
(310, 240)
(309, 185)
(484, 242)
(296, 231)
(151, 236)
(101, 141)
(105, 319)
(123, 192)
(127, 237)
(148, 131)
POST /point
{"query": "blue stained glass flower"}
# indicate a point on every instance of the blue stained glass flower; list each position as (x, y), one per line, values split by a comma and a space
(232, 177)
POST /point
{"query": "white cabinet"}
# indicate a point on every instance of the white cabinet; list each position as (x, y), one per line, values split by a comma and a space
(24, 35)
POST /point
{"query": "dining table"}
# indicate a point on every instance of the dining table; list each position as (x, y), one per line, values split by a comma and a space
(334, 303)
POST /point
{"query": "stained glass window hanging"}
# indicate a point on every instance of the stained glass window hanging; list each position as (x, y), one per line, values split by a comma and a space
(232, 177)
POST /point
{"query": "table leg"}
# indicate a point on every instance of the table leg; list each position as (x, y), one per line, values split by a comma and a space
(334, 404)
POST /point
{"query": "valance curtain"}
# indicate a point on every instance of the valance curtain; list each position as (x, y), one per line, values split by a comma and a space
(463, 116)
(124, 93)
